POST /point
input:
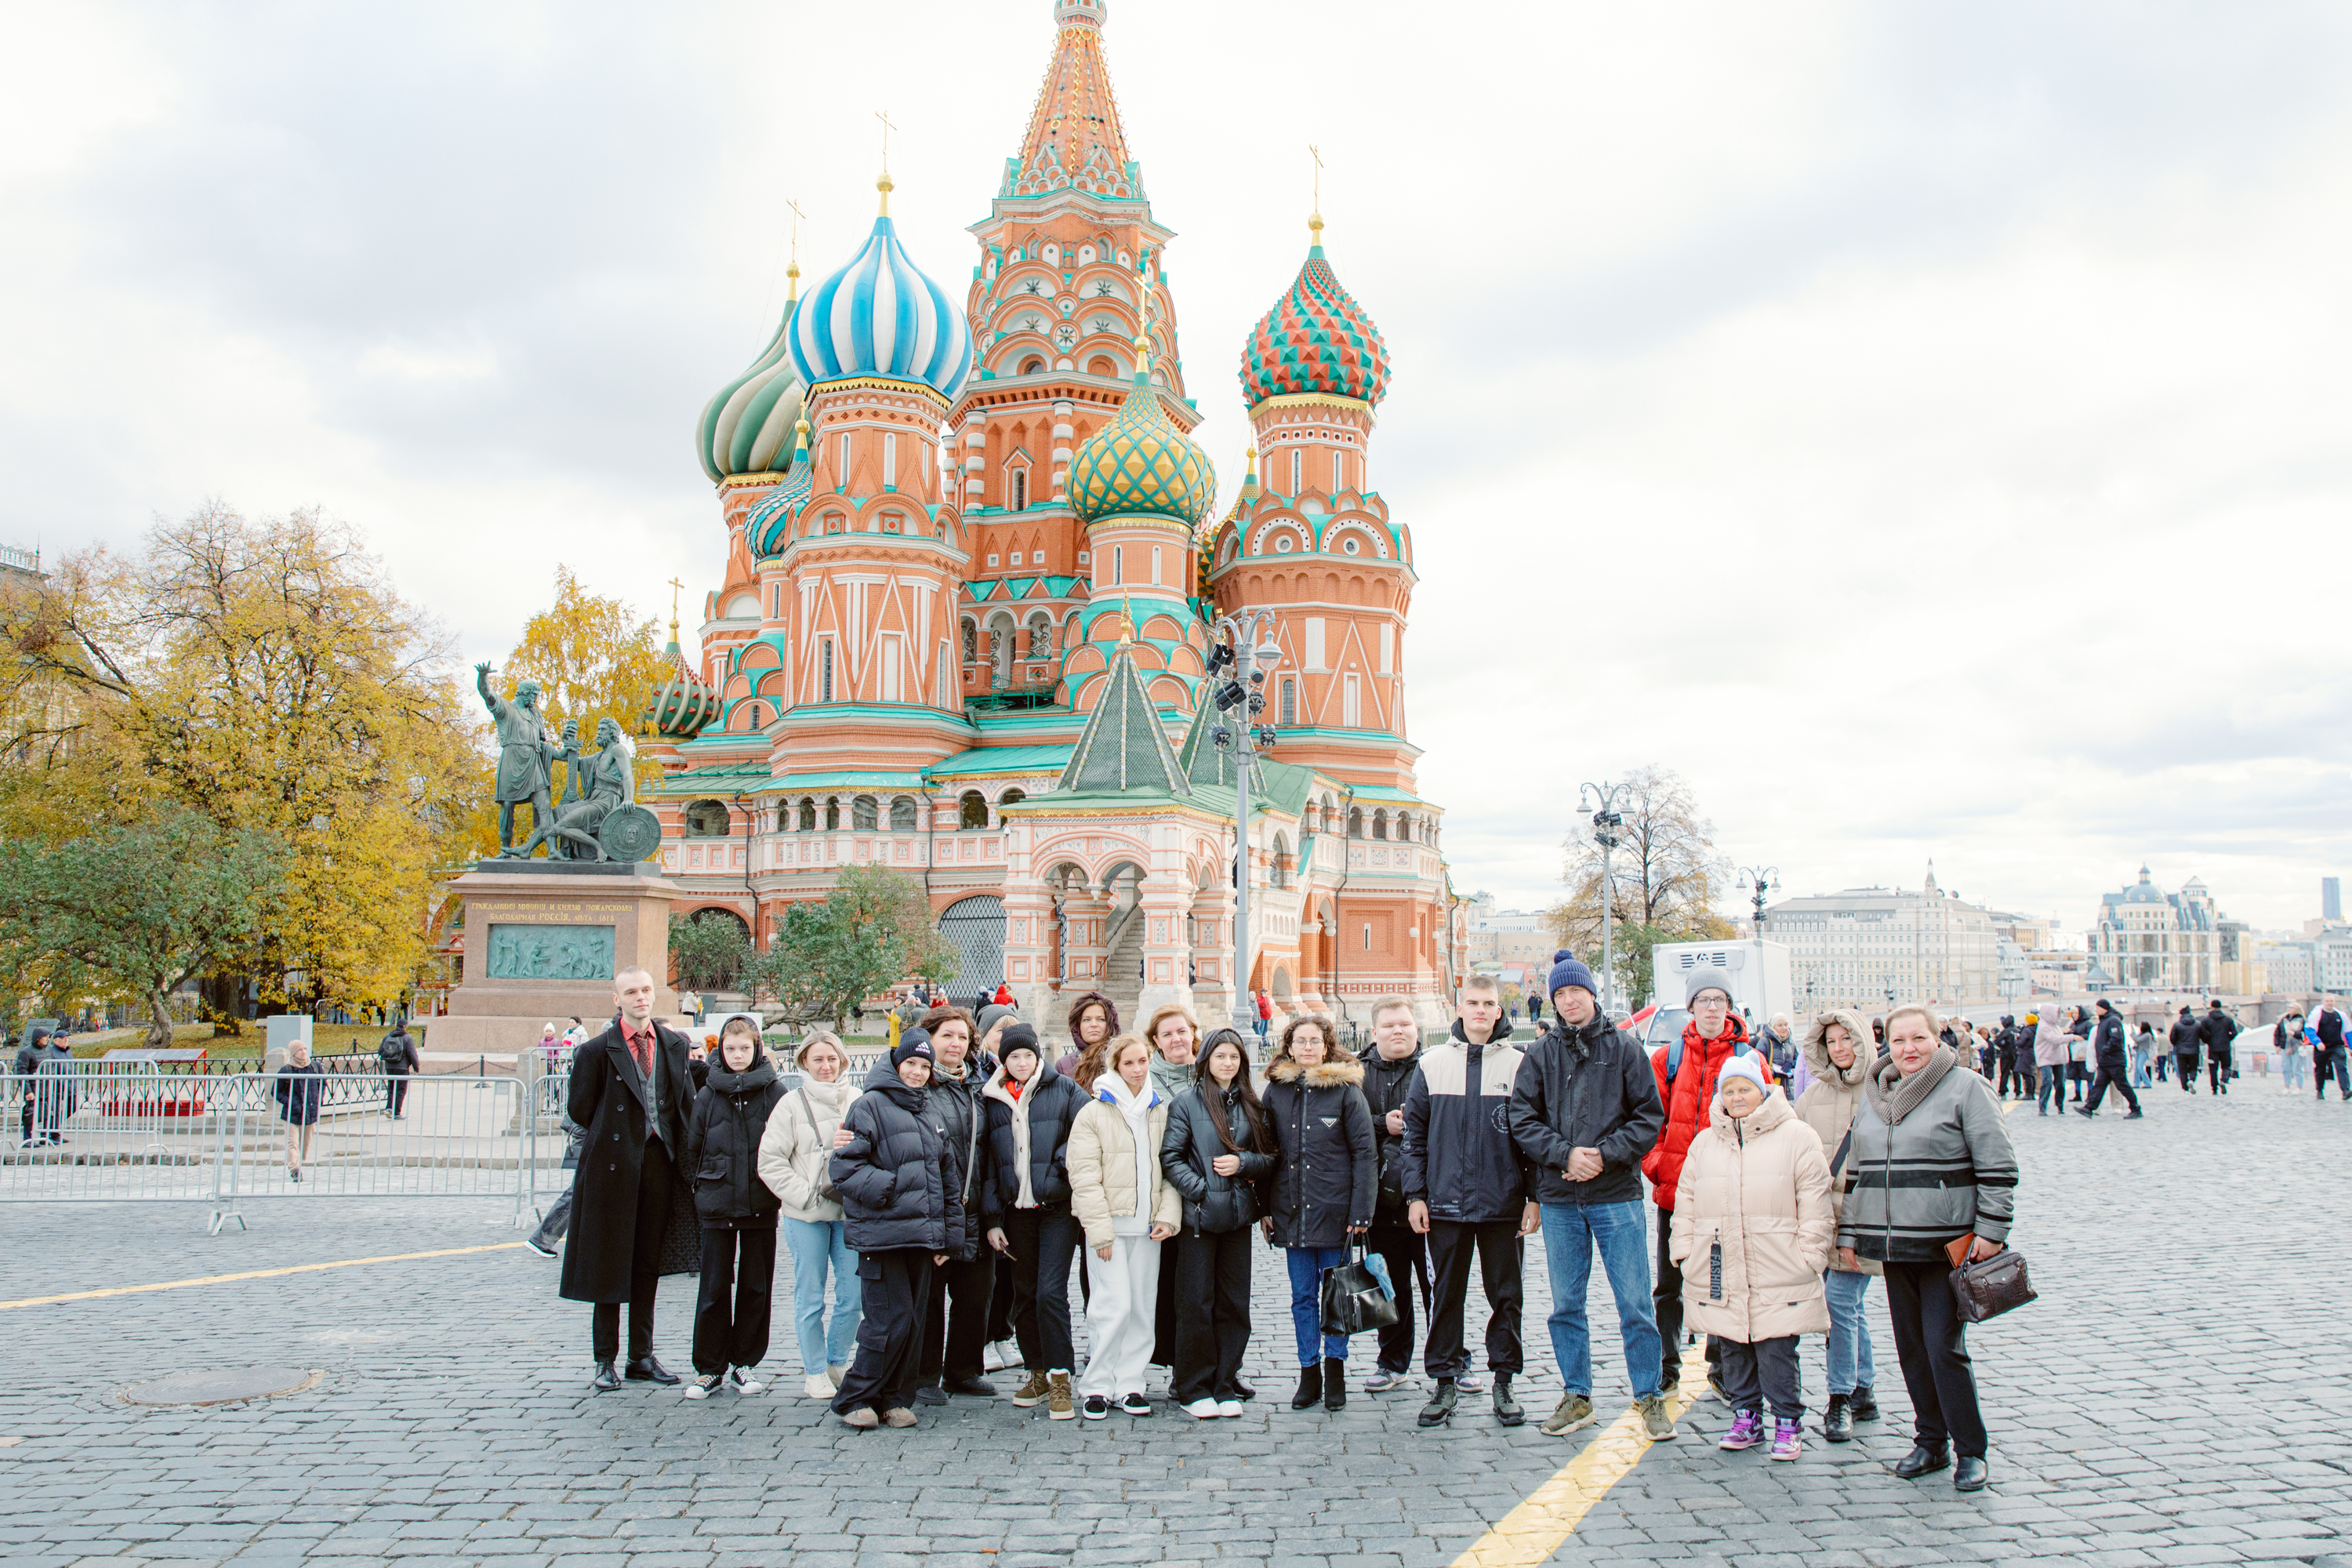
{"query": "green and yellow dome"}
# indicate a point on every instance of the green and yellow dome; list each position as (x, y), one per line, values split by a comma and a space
(1140, 462)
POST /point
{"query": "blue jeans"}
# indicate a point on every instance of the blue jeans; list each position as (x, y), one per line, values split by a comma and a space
(2291, 1070)
(1307, 1266)
(1851, 1366)
(2140, 1077)
(814, 1245)
(1570, 1232)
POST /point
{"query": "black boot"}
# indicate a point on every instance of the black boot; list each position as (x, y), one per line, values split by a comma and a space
(1864, 1404)
(1506, 1409)
(1440, 1408)
(1837, 1421)
(606, 1379)
(1310, 1387)
(1335, 1384)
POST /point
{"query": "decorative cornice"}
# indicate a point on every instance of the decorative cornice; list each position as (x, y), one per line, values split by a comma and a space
(1314, 399)
(879, 384)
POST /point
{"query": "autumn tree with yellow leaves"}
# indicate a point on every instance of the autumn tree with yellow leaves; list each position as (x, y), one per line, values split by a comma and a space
(593, 658)
(265, 675)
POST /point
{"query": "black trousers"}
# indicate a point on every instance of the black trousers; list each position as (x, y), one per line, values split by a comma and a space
(952, 1342)
(732, 1310)
(1931, 1340)
(395, 1091)
(1000, 1303)
(1213, 1321)
(1667, 1303)
(896, 1298)
(1406, 1253)
(1163, 1311)
(2188, 1066)
(1038, 1246)
(2121, 1078)
(2217, 1067)
(652, 1218)
(1764, 1375)
(1500, 1250)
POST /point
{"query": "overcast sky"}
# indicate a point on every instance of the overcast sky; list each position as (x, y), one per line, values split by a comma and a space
(1922, 427)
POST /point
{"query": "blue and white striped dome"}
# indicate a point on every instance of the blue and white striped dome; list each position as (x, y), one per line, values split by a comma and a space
(881, 316)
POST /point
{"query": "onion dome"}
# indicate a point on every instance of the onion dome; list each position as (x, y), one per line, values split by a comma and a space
(748, 427)
(1317, 338)
(1140, 462)
(770, 527)
(881, 316)
(684, 703)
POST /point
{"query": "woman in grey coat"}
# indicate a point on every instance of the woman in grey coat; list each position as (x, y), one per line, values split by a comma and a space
(1931, 1163)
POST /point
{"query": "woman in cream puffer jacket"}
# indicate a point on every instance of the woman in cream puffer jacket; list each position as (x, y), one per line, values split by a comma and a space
(1122, 1195)
(1759, 1188)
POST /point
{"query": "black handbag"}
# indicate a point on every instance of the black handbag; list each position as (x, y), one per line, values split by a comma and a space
(1354, 1301)
(1992, 1285)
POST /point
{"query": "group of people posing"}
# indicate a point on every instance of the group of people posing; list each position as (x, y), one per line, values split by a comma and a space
(948, 1195)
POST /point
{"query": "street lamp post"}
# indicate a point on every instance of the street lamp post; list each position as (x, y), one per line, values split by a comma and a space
(1606, 820)
(1242, 650)
(1760, 879)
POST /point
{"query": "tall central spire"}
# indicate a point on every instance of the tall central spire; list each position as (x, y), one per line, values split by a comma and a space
(1075, 138)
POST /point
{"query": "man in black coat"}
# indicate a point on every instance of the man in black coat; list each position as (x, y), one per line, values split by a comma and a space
(1389, 1063)
(2186, 1039)
(2114, 1061)
(2218, 1032)
(396, 1053)
(631, 1088)
(1584, 1111)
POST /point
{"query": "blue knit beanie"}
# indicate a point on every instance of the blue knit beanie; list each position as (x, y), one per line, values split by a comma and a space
(1567, 969)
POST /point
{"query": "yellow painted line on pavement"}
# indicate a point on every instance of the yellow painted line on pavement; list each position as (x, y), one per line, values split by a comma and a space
(1528, 1535)
(254, 1274)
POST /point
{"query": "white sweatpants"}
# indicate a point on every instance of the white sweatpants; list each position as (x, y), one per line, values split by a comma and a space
(1119, 1316)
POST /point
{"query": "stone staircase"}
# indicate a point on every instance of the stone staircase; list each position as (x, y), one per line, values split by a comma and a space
(1122, 979)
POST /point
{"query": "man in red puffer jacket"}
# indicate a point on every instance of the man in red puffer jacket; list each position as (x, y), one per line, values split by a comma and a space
(1712, 1038)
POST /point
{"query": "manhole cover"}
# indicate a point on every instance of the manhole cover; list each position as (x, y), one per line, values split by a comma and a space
(224, 1385)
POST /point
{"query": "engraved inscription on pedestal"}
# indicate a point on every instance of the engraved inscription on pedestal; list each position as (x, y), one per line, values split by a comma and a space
(550, 953)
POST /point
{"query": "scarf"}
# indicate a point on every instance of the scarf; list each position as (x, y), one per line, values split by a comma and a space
(1894, 1103)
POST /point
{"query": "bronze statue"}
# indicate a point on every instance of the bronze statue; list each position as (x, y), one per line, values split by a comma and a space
(526, 756)
(602, 786)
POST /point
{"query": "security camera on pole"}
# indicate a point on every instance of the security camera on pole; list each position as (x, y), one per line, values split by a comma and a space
(1241, 651)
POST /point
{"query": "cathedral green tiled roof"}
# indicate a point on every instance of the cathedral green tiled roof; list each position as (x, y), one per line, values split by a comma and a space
(1124, 748)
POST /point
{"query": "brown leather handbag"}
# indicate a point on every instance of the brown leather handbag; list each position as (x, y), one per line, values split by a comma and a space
(1991, 1287)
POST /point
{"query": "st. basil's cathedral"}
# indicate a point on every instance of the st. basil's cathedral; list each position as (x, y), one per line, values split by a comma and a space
(972, 561)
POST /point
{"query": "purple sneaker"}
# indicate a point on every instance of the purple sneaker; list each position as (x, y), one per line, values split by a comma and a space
(1746, 1430)
(1788, 1440)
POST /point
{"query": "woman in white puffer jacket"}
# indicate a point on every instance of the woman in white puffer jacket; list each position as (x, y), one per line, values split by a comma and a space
(794, 1153)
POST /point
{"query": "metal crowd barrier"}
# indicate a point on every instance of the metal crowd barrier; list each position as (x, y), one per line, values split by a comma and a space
(136, 1135)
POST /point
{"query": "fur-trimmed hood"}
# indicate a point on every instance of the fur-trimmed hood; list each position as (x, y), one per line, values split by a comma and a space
(1817, 1049)
(1335, 1072)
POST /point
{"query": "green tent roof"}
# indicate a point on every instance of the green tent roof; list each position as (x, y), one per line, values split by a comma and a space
(1124, 748)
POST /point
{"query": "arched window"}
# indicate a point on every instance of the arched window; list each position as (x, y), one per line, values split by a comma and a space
(1017, 491)
(1033, 365)
(1379, 824)
(972, 810)
(1355, 822)
(1281, 861)
(1009, 797)
(808, 815)
(706, 819)
(970, 642)
(864, 812)
(831, 813)
(1289, 701)
(902, 814)
(1101, 366)
(1041, 638)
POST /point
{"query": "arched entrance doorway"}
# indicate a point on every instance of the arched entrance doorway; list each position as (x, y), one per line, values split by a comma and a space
(975, 926)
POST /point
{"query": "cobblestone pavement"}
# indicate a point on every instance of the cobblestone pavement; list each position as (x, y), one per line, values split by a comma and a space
(2177, 1395)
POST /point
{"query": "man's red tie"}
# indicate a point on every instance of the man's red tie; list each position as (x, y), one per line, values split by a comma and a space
(642, 1048)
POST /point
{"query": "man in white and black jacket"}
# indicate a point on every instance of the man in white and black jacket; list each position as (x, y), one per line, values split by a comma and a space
(1584, 1112)
(1467, 1188)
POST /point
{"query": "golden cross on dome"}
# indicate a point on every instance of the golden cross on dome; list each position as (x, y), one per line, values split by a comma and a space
(793, 270)
(1126, 616)
(1314, 218)
(883, 185)
(676, 588)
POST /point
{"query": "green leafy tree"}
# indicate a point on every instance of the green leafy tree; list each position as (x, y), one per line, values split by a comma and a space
(132, 912)
(874, 929)
(707, 950)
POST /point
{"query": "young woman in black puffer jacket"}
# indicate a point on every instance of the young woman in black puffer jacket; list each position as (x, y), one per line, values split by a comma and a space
(1326, 1174)
(736, 1210)
(1216, 1149)
(899, 1178)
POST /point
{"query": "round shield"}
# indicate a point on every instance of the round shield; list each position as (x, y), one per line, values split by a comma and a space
(630, 833)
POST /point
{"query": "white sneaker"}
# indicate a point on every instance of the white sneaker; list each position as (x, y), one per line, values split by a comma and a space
(742, 1382)
(704, 1387)
(820, 1387)
(1005, 1356)
(1229, 1407)
(1203, 1410)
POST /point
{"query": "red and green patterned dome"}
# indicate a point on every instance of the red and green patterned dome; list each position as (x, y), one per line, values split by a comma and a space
(1317, 338)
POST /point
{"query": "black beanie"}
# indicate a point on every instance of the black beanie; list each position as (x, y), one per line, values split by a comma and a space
(1018, 1037)
(913, 1043)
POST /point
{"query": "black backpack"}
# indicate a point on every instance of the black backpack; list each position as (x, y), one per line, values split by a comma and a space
(393, 1052)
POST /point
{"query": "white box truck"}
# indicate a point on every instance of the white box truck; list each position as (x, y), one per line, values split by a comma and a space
(1755, 972)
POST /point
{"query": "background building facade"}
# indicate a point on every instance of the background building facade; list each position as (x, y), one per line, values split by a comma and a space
(1868, 947)
(2148, 939)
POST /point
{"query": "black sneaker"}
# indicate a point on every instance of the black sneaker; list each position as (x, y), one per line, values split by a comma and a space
(1864, 1404)
(1440, 1408)
(1136, 1405)
(1506, 1409)
(931, 1393)
(1837, 1421)
(1097, 1408)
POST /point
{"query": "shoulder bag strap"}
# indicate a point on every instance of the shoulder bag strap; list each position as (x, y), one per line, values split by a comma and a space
(1838, 1160)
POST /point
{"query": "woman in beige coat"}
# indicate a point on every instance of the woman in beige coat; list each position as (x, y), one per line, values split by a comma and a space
(1752, 1232)
(794, 1153)
(1837, 1053)
(1120, 1194)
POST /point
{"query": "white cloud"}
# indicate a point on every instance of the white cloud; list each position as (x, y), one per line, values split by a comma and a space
(1921, 427)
